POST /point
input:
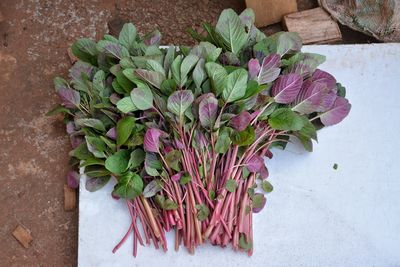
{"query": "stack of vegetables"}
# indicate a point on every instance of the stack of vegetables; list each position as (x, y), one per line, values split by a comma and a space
(183, 132)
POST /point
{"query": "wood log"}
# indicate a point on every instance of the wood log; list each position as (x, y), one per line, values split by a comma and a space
(23, 236)
(69, 198)
(271, 11)
(315, 26)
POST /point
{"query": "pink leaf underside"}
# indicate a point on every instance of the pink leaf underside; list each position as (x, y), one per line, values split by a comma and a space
(69, 97)
(254, 68)
(286, 88)
(241, 121)
(313, 97)
(255, 163)
(152, 140)
(208, 109)
(337, 113)
(112, 133)
(269, 70)
(325, 78)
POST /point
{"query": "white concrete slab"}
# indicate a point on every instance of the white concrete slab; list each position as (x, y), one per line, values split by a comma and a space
(316, 216)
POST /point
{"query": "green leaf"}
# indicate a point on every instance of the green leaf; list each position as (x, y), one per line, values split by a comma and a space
(223, 142)
(142, 97)
(91, 161)
(57, 110)
(81, 152)
(231, 185)
(245, 137)
(154, 65)
(126, 105)
(96, 171)
(202, 212)
(127, 36)
(176, 69)
(152, 164)
(213, 56)
(187, 65)
(235, 85)
(124, 129)
(199, 75)
(285, 119)
(112, 49)
(96, 146)
(85, 49)
(341, 90)
(186, 178)
(124, 82)
(95, 183)
(267, 186)
(129, 186)
(246, 246)
(99, 81)
(169, 205)
(173, 159)
(232, 31)
(217, 75)
(92, 123)
(168, 87)
(254, 88)
(155, 78)
(137, 158)
(179, 102)
(118, 163)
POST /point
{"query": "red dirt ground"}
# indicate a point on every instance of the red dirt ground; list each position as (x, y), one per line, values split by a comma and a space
(33, 158)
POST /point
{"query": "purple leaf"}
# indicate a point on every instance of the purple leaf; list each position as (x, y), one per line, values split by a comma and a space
(255, 114)
(78, 68)
(95, 183)
(269, 69)
(153, 38)
(311, 97)
(254, 68)
(152, 140)
(76, 140)
(286, 88)
(70, 127)
(114, 98)
(176, 177)
(241, 121)
(179, 144)
(255, 163)
(264, 172)
(73, 179)
(201, 140)
(324, 78)
(69, 97)
(337, 113)
(208, 109)
(112, 133)
(327, 102)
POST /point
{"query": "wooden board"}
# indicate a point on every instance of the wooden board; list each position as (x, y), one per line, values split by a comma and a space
(23, 236)
(315, 26)
(271, 11)
(69, 198)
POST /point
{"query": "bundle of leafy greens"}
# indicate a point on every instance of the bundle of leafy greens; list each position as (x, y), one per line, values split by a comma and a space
(184, 131)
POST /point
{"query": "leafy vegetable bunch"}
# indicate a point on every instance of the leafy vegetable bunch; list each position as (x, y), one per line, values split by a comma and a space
(184, 131)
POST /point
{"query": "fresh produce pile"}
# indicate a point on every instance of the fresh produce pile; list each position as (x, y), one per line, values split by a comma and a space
(184, 131)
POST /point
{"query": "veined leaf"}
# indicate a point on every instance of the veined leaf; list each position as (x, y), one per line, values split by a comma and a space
(142, 97)
(124, 129)
(286, 88)
(235, 85)
(285, 119)
(153, 77)
(231, 29)
(337, 113)
(129, 186)
(127, 36)
(217, 75)
(208, 109)
(179, 102)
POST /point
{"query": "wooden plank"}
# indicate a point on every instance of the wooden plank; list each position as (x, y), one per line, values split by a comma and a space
(271, 11)
(23, 236)
(315, 26)
(69, 198)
